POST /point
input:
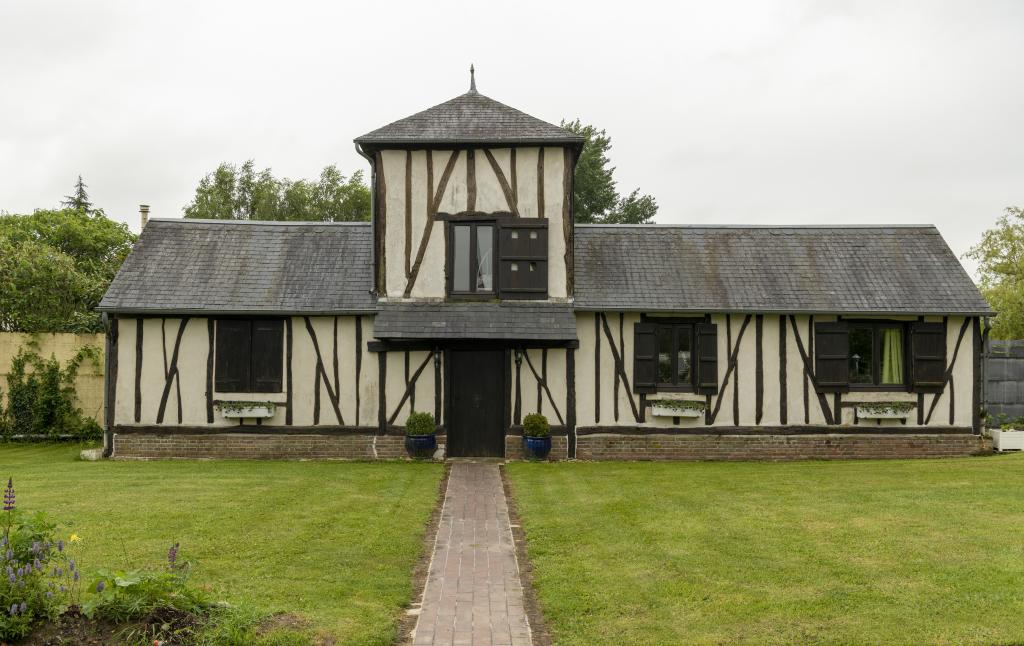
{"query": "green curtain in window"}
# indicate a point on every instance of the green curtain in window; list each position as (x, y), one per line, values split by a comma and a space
(892, 356)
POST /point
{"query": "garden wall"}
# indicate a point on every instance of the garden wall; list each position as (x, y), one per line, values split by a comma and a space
(1004, 378)
(89, 385)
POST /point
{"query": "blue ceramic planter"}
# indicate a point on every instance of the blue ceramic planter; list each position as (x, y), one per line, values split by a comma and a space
(536, 448)
(421, 446)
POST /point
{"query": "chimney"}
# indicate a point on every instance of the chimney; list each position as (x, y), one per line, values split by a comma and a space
(143, 215)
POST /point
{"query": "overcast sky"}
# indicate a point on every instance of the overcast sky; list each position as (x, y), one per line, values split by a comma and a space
(727, 112)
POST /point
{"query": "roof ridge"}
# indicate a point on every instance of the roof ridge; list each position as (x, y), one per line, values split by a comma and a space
(295, 223)
(756, 226)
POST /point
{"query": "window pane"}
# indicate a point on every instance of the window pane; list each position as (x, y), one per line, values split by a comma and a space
(460, 259)
(861, 356)
(892, 356)
(664, 355)
(683, 356)
(484, 259)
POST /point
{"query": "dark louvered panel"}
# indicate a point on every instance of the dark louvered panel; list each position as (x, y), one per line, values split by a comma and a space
(832, 356)
(267, 355)
(232, 368)
(645, 357)
(707, 353)
(928, 356)
(523, 259)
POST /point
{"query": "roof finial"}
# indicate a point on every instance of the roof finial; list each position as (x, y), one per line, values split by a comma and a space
(472, 78)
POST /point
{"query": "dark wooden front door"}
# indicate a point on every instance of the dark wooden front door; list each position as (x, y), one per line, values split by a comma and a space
(476, 419)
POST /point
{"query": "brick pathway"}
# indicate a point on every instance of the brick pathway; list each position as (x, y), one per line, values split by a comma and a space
(473, 594)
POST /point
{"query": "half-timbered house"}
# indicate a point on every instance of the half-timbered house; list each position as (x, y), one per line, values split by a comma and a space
(472, 295)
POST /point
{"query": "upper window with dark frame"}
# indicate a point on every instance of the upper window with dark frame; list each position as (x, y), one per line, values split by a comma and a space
(505, 257)
(471, 258)
(249, 355)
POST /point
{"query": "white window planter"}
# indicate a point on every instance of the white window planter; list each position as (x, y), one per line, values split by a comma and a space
(1007, 440)
(659, 409)
(244, 410)
(870, 412)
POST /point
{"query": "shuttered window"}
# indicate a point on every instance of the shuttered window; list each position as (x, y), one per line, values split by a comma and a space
(249, 356)
(860, 355)
(928, 356)
(675, 356)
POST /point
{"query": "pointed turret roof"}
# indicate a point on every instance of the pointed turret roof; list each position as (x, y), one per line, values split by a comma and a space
(470, 118)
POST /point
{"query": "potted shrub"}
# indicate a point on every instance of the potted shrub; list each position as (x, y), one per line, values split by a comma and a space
(1008, 435)
(536, 437)
(420, 438)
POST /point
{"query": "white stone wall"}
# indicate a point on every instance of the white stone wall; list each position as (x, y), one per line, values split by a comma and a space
(490, 198)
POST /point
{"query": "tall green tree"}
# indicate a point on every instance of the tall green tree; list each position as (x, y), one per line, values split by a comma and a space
(1000, 256)
(55, 267)
(243, 193)
(79, 198)
(597, 199)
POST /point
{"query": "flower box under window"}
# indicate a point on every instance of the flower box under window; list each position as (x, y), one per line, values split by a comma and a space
(885, 410)
(247, 410)
(677, 408)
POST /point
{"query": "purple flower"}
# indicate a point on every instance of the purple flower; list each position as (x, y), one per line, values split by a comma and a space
(172, 555)
(71, 565)
(13, 609)
(76, 575)
(60, 546)
(24, 606)
(100, 586)
(10, 554)
(11, 577)
(63, 589)
(9, 495)
(49, 594)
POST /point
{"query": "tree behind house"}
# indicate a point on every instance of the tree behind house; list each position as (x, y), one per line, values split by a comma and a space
(79, 198)
(55, 267)
(233, 193)
(596, 198)
(1000, 256)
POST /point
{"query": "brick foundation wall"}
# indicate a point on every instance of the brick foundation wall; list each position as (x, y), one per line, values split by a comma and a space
(514, 447)
(776, 447)
(258, 446)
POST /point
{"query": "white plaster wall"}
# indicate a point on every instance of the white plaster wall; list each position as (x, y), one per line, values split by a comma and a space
(745, 376)
(556, 382)
(192, 361)
(490, 198)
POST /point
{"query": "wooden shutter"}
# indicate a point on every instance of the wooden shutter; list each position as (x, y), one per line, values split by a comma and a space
(645, 358)
(832, 356)
(928, 356)
(522, 259)
(232, 355)
(707, 358)
(267, 355)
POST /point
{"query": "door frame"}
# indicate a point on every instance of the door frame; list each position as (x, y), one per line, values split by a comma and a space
(506, 389)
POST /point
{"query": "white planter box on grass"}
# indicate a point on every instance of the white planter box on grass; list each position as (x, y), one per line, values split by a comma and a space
(871, 412)
(246, 410)
(659, 409)
(1007, 440)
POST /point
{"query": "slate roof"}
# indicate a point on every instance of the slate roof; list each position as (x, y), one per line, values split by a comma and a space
(224, 267)
(521, 321)
(852, 269)
(469, 118)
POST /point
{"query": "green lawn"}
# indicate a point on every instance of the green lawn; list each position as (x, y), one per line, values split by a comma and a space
(333, 541)
(870, 552)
